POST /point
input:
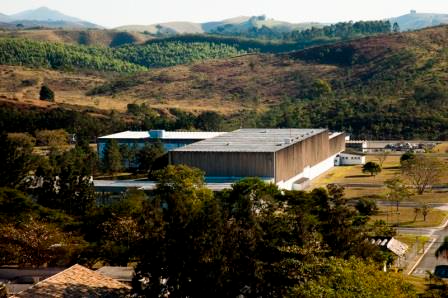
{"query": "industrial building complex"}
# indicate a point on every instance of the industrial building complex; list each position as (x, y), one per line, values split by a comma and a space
(289, 158)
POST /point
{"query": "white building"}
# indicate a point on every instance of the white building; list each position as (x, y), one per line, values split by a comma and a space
(169, 139)
(349, 159)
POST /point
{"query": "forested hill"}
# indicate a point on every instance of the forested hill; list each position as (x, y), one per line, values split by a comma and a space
(387, 86)
(129, 58)
(125, 52)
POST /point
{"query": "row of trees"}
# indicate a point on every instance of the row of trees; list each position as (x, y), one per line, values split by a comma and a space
(342, 30)
(142, 158)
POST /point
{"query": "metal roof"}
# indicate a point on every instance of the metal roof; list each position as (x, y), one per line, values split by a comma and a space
(174, 135)
(252, 140)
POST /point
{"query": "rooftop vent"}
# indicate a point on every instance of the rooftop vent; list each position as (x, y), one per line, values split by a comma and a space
(288, 141)
(157, 133)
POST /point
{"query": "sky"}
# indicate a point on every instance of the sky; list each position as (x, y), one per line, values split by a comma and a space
(113, 13)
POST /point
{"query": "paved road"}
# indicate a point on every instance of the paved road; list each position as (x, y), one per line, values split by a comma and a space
(429, 260)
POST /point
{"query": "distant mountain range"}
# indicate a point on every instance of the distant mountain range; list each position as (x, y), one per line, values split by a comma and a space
(44, 17)
(414, 20)
(411, 21)
(228, 26)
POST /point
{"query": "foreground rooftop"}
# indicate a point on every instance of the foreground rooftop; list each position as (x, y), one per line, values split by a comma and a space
(77, 281)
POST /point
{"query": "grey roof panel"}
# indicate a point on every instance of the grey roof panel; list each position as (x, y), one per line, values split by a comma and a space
(252, 140)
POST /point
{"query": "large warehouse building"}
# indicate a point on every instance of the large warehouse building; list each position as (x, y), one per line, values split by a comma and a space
(288, 157)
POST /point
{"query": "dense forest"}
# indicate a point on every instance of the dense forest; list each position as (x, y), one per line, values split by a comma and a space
(169, 53)
(131, 58)
(61, 56)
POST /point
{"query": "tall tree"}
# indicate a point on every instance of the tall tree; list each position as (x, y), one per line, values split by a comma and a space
(66, 183)
(180, 252)
(16, 158)
(112, 161)
(423, 171)
(397, 190)
(382, 157)
(147, 156)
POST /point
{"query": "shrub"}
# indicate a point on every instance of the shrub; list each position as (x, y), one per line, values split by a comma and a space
(46, 94)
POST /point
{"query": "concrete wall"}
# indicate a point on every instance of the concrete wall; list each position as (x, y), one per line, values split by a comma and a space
(309, 172)
(227, 164)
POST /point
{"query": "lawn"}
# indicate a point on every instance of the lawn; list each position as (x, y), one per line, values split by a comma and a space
(406, 217)
(354, 174)
(441, 148)
(435, 196)
(372, 192)
(410, 240)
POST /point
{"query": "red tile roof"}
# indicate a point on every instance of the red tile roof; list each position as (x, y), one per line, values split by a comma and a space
(76, 281)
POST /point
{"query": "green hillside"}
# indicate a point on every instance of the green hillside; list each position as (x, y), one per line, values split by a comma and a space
(388, 86)
(170, 53)
(61, 56)
(130, 58)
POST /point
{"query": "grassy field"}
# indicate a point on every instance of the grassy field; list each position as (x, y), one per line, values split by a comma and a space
(380, 193)
(410, 240)
(441, 148)
(354, 174)
(406, 217)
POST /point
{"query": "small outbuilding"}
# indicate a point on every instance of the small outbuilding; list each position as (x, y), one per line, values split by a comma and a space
(349, 158)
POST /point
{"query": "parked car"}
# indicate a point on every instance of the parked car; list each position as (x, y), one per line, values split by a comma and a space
(441, 271)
